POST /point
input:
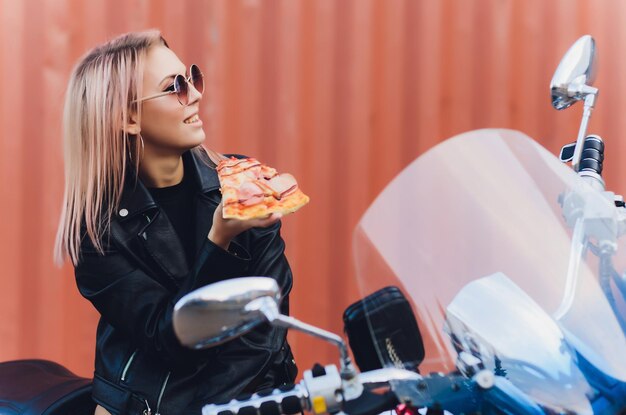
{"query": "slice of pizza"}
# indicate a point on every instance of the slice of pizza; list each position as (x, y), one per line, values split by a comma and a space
(251, 189)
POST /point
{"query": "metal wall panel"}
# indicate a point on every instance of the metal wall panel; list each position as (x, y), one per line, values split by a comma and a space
(341, 93)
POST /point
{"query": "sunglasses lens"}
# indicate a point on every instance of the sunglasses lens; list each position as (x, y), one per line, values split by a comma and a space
(197, 79)
(182, 91)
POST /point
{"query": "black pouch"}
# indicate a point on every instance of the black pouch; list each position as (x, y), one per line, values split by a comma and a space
(383, 322)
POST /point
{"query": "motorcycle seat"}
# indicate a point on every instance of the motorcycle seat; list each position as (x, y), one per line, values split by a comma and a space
(42, 387)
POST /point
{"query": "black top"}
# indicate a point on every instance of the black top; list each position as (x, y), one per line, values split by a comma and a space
(177, 203)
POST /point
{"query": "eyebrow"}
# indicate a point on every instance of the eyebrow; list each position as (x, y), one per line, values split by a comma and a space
(172, 76)
(166, 78)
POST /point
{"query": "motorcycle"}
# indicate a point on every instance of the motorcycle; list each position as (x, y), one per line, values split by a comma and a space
(510, 261)
(493, 267)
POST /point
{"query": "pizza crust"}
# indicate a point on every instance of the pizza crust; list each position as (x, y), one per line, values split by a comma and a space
(269, 205)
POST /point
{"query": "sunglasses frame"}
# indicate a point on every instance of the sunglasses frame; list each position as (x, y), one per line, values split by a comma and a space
(179, 81)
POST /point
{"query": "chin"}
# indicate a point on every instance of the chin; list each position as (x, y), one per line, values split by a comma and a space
(195, 139)
(200, 140)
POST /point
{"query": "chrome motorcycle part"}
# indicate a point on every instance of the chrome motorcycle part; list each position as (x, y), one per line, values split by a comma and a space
(267, 308)
(224, 310)
(572, 82)
(288, 400)
(576, 71)
(215, 313)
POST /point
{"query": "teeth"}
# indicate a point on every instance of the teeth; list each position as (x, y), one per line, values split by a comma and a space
(192, 119)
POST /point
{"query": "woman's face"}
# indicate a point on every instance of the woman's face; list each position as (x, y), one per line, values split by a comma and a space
(165, 123)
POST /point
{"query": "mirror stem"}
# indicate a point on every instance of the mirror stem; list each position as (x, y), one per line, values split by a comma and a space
(590, 101)
(267, 307)
(347, 369)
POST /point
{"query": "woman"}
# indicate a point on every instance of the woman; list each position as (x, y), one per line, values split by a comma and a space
(142, 223)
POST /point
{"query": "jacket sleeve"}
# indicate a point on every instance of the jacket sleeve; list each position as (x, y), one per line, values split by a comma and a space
(268, 260)
(139, 306)
(268, 254)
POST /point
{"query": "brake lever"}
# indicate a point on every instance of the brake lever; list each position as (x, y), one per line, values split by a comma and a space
(383, 377)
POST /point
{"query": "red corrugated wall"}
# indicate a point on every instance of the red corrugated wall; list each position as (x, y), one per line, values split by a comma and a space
(341, 93)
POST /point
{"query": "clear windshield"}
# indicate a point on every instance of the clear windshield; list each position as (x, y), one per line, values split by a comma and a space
(474, 234)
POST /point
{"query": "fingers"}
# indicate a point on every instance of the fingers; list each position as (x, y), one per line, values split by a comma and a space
(268, 221)
(229, 228)
(219, 211)
(224, 230)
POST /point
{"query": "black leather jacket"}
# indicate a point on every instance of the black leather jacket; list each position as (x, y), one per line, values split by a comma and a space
(139, 362)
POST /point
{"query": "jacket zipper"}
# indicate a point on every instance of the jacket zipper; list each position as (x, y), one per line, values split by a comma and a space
(147, 411)
(130, 360)
(161, 394)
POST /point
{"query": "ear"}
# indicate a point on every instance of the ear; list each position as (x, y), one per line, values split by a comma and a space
(131, 126)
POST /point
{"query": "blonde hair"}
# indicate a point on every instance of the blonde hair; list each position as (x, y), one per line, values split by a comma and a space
(97, 148)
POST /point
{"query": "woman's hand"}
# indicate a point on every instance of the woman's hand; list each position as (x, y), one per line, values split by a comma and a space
(224, 230)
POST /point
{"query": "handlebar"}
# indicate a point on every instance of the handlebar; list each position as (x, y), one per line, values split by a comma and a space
(288, 400)
(319, 392)
(322, 390)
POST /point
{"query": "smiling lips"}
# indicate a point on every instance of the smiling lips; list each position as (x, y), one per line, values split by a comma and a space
(192, 119)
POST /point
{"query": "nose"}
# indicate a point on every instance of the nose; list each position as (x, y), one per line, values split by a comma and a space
(194, 94)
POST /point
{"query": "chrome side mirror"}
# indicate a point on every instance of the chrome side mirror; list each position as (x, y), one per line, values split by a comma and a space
(216, 313)
(575, 71)
(219, 312)
(572, 82)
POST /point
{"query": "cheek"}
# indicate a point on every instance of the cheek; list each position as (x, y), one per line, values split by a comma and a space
(160, 125)
(165, 128)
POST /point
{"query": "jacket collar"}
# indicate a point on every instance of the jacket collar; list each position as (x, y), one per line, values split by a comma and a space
(204, 169)
(136, 198)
